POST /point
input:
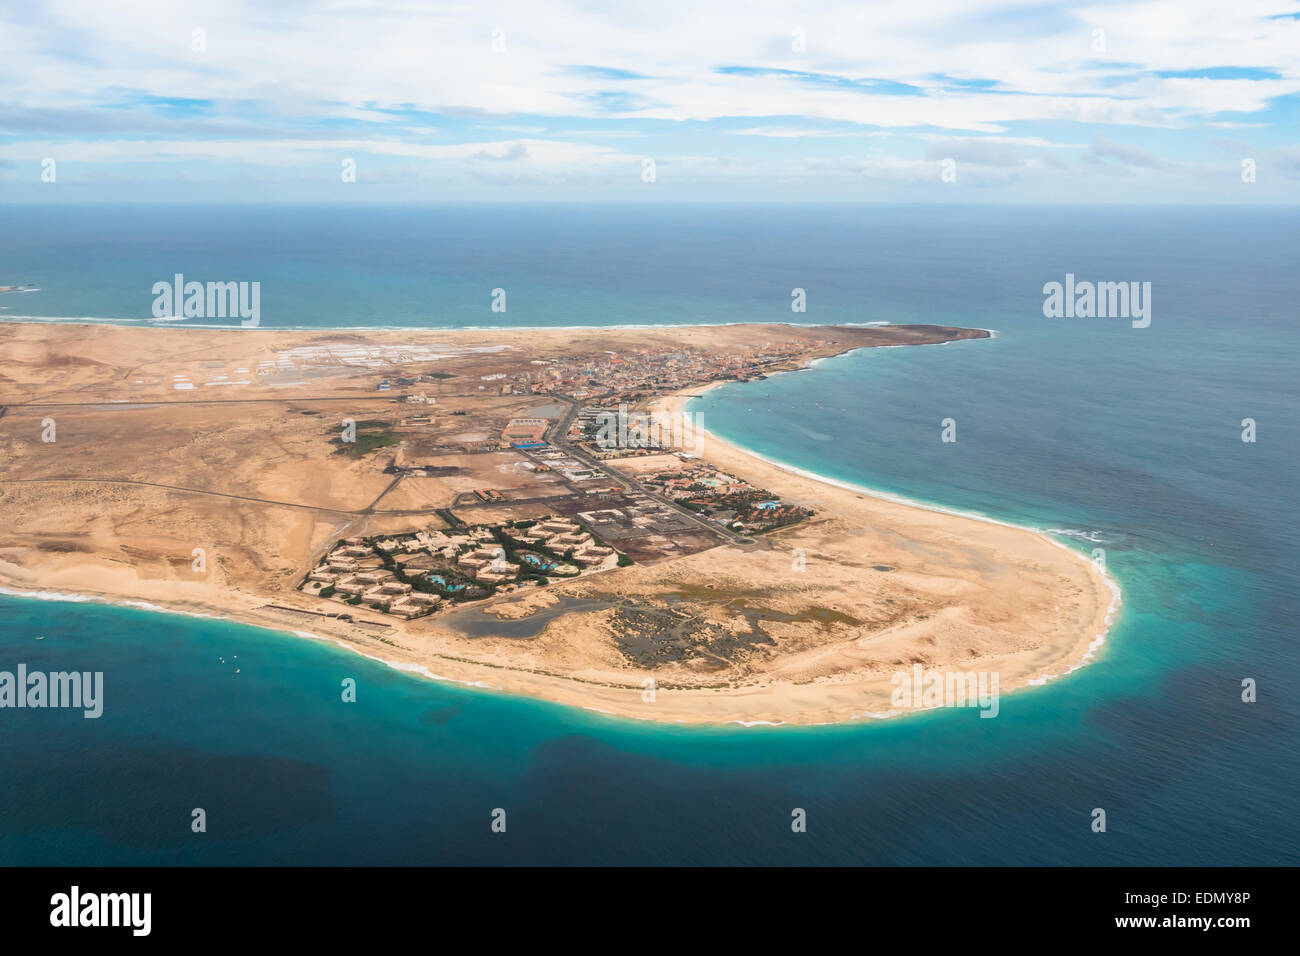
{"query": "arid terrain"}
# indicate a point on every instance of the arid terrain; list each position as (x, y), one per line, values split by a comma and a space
(214, 471)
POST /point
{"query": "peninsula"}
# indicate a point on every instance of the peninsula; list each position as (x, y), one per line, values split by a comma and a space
(531, 510)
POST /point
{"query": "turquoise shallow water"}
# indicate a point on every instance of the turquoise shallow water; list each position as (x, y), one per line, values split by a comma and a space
(1118, 438)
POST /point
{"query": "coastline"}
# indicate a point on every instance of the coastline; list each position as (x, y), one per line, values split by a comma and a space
(1088, 653)
(180, 323)
(804, 695)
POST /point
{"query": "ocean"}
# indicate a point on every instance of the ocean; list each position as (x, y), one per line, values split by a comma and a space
(1108, 436)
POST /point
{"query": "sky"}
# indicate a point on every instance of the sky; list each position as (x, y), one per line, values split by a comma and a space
(905, 100)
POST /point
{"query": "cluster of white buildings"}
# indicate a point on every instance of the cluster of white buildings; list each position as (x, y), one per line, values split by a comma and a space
(376, 587)
(437, 542)
(560, 535)
(350, 569)
(556, 460)
(489, 565)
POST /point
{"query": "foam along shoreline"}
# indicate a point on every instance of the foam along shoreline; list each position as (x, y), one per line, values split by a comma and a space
(613, 702)
(771, 704)
(74, 597)
(172, 323)
(971, 593)
(718, 448)
(815, 362)
(597, 698)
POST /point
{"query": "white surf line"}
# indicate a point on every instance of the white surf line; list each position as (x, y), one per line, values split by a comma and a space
(1107, 577)
(423, 670)
(1111, 583)
(178, 323)
(74, 597)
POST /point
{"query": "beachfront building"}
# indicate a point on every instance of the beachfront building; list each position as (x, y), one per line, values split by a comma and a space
(549, 529)
(524, 535)
(481, 558)
(525, 431)
(593, 556)
(497, 573)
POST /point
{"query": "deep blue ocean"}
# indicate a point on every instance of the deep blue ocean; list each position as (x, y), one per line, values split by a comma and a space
(1113, 437)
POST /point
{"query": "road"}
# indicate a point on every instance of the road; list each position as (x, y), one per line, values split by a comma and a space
(556, 436)
(181, 488)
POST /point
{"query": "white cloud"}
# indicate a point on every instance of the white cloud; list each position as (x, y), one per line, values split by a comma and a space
(343, 57)
(793, 132)
(426, 78)
(292, 152)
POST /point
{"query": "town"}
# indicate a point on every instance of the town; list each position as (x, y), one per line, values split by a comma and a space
(509, 493)
(412, 574)
(637, 373)
(722, 498)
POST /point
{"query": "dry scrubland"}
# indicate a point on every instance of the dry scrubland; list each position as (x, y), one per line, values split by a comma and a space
(239, 457)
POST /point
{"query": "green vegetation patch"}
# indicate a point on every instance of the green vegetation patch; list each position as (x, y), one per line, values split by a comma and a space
(371, 435)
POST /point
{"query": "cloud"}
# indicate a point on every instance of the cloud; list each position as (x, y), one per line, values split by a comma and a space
(981, 152)
(1104, 148)
(297, 152)
(1286, 160)
(999, 84)
(1230, 147)
(796, 132)
(512, 152)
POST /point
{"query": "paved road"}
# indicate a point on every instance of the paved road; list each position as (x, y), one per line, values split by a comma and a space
(192, 491)
(128, 405)
(556, 436)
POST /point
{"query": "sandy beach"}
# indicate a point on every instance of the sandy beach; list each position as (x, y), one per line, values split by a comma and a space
(867, 588)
